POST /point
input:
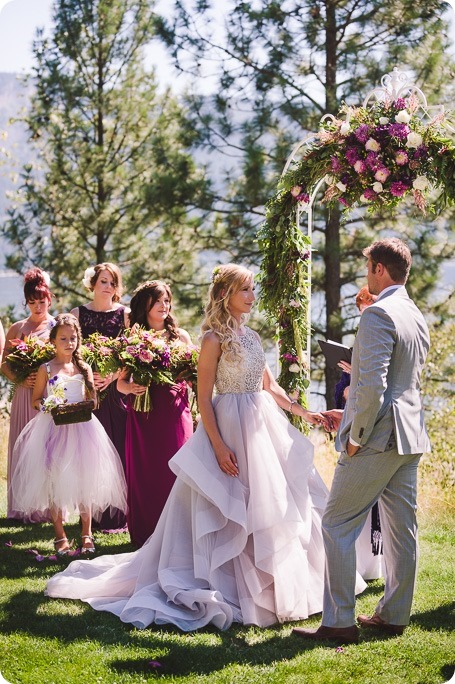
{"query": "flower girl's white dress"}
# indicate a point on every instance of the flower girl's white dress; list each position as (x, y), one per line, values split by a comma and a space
(73, 467)
(246, 549)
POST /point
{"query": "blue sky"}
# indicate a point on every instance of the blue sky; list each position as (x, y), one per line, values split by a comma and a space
(19, 19)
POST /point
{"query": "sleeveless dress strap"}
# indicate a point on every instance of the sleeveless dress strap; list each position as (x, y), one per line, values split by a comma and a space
(48, 370)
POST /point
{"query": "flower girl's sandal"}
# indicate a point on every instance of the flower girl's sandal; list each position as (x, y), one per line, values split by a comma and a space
(87, 549)
(62, 552)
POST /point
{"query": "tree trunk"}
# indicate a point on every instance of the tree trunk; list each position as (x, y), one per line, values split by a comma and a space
(332, 278)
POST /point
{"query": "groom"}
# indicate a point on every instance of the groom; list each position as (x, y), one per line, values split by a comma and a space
(381, 438)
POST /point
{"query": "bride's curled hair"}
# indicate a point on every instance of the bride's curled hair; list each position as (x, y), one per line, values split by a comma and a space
(227, 280)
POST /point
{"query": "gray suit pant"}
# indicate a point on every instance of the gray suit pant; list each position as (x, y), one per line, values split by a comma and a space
(359, 482)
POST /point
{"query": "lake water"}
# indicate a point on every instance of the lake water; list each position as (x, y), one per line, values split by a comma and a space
(11, 290)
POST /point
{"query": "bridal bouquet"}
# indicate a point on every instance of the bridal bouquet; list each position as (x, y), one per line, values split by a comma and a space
(148, 357)
(102, 355)
(26, 356)
(184, 360)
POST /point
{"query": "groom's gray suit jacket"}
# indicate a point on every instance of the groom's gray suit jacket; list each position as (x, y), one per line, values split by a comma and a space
(384, 395)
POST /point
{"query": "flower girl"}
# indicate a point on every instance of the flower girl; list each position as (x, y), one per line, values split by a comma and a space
(72, 467)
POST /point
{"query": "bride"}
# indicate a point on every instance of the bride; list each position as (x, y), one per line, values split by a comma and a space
(239, 539)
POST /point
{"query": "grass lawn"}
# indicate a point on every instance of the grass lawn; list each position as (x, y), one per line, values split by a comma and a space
(48, 641)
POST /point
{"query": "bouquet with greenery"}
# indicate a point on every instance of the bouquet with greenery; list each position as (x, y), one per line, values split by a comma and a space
(184, 360)
(26, 357)
(102, 355)
(147, 356)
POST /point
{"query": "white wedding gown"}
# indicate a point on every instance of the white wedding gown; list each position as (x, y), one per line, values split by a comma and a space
(246, 549)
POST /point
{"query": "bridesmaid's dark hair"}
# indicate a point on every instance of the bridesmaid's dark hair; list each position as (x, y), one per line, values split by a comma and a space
(36, 285)
(143, 299)
(69, 319)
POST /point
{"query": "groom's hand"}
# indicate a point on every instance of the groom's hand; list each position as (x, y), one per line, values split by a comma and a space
(351, 449)
(333, 419)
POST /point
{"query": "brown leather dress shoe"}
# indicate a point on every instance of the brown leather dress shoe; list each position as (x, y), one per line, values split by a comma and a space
(378, 623)
(342, 635)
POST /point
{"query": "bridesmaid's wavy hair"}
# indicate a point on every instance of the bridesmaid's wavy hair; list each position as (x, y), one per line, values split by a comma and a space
(72, 322)
(116, 277)
(36, 285)
(227, 280)
(143, 299)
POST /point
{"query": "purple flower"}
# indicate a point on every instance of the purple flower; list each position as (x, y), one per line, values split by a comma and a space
(305, 254)
(401, 157)
(303, 197)
(362, 133)
(399, 104)
(343, 201)
(352, 155)
(370, 194)
(372, 161)
(421, 152)
(360, 166)
(399, 130)
(290, 357)
(398, 188)
(154, 663)
(146, 355)
(382, 174)
(337, 166)
(9, 543)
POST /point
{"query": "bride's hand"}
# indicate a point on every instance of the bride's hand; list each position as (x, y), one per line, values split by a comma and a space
(315, 418)
(227, 461)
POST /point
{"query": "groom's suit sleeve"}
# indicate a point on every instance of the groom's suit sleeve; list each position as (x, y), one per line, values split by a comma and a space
(376, 339)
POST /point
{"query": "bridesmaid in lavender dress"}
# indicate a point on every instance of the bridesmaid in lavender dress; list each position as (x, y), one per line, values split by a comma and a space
(105, 315)
(153, 438)
(38, 299)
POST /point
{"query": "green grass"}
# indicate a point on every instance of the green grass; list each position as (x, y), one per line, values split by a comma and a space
(49, 641)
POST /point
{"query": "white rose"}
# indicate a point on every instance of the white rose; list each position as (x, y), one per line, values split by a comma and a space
(345, 128)
(414, 140)
(364, 199)
(88, 275)
(377, 187)
(294, 368)
(341, 186)
(420, 183)
(383, 120)
(373, 145)
(403, 117)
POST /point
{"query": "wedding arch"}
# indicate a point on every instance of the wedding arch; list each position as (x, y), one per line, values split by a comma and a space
(394, 147)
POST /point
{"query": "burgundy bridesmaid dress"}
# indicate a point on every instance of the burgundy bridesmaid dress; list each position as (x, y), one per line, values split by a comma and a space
(151, 440)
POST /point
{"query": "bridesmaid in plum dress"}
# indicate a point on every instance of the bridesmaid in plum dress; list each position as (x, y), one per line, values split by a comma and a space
(38, 299)
(105, 315)
(153, 438)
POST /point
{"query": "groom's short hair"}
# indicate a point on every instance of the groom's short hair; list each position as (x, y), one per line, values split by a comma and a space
(392, 253)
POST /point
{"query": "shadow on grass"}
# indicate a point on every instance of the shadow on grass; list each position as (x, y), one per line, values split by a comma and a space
(442, 617)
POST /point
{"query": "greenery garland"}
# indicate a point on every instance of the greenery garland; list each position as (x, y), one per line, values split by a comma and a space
(374, 157)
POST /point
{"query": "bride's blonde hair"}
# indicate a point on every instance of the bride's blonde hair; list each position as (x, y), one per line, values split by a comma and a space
(227, 280)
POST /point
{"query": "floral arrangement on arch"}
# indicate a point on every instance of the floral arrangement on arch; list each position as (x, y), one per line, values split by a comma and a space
(374, 157)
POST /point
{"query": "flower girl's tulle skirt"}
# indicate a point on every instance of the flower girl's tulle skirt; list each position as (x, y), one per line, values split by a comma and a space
(73, 467)
(246, 549)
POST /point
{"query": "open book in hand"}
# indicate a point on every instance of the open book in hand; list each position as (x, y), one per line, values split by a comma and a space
(335, 352)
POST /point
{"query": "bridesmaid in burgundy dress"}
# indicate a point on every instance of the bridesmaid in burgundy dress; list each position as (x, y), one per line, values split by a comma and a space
(38, 299)
(153, 438)
(104, 314)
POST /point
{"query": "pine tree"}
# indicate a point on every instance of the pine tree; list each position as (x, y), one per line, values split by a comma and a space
(280, 66)
(112, 180)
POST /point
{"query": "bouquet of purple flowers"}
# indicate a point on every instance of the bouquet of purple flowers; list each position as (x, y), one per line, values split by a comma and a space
(147, 356)
(103, 355)
(26, 357)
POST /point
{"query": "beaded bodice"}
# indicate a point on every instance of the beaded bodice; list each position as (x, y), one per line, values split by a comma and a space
(109, 323)
(245, 376)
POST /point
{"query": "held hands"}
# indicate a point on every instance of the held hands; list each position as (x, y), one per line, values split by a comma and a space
(333, 419)
(315, 418)
(227, 460)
